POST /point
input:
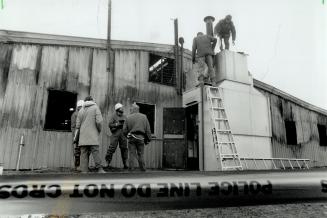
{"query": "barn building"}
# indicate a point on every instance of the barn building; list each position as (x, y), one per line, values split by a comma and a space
(42, 77)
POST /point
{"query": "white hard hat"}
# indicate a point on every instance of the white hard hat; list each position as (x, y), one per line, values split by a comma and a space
(118, 105)
(80, 103)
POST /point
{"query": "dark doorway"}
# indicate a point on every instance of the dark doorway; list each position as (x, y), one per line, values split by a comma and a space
(150, 111)
(192, 137)
(174, 148)
(322, 135)
(291, 136)
(61, 105)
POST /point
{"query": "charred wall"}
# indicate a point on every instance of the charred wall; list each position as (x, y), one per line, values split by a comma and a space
(306, 123)
(28, 71)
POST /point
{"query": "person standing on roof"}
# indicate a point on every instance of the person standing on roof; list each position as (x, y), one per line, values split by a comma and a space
(137, 129)
(116, 124)
(89, 123)
(77, 149)
(202, 52)
(223, 29)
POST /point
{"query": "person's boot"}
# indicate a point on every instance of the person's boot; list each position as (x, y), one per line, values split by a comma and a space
(200, 80)
(108, 167)
(100, 170)
(207, 81)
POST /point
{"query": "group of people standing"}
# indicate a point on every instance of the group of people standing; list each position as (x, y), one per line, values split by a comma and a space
(130, 132)
(203, 49)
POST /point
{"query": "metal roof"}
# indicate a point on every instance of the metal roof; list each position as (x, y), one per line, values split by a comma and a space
(268, 88)
(49, 39)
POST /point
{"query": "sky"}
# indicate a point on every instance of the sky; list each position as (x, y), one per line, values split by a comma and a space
(286, 39)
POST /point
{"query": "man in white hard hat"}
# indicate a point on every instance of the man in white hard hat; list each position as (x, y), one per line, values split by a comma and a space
(77, 150)
(116, 124)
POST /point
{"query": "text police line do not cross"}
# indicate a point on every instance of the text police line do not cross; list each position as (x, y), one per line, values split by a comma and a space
(128, 190)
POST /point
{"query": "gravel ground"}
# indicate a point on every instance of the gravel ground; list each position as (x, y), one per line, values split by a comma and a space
(305, 210)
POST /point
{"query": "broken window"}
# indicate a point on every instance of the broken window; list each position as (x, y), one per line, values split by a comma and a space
(162, 70)
(291, 136)
(149, 111)
(61, 105)
(322, 135)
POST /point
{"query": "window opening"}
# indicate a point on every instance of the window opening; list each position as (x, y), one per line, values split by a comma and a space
(322, 135)
(60, 107)
(162, 70)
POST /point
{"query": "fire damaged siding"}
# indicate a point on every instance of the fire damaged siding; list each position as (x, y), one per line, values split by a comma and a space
(28, 71)
(307, 136)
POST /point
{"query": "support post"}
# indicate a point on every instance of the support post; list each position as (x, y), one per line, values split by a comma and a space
(181, 41)
(108, 35)
(202, 93)
(21, 144)
(177, 70)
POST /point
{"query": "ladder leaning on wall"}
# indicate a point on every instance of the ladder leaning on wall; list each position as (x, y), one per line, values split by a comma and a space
(225, 149)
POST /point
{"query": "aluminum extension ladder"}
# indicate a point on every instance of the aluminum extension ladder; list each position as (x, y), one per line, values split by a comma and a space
(223, 141)
(284, 163)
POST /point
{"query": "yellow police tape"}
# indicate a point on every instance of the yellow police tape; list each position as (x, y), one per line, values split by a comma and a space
(70, 194)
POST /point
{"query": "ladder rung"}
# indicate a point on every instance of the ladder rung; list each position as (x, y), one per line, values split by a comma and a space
(221, 119)
(218, 108)
(212, 97)
(233, 167)
(225, 143)
(229, 155)
(223, 130)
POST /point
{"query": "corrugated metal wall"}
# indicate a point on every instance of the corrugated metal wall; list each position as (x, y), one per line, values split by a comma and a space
(28, 71)
(306, 129)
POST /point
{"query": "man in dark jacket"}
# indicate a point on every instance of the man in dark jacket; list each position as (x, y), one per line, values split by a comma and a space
(116, 124)
(223, 29)
(77, 149)
(89, 123)
(203, 51)
(137, 129)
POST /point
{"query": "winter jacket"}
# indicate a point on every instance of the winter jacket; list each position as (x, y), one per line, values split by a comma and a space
(89, 121)
(116, 124)
(138, 125)
(203, 45)
(223, 29)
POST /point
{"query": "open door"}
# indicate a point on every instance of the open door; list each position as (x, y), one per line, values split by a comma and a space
(174, 146)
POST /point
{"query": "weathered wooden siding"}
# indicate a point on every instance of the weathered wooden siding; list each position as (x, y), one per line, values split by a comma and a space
(131, 84)
(27, 71)
(306, 128)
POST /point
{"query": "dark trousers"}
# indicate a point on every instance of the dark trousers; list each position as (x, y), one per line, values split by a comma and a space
(136, 150)
(211, 71)
(226, 42)
(77, 152)
(77, 155)
(114, 141)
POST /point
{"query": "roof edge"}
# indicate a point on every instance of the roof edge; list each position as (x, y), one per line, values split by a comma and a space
(49, 39)
(266, 87)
